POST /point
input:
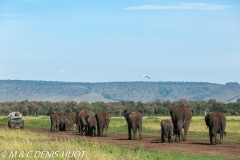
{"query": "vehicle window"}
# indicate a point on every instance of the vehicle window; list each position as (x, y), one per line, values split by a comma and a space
(16, 120)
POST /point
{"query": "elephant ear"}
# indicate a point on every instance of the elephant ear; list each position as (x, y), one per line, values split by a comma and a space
(126, 115)
(207, 119)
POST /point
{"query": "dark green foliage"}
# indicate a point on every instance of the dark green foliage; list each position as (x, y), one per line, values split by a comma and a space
(157, 107)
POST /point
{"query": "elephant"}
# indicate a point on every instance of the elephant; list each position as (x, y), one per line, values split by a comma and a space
(103, 119)
(81, 121)
(71, 116)
(134, 120)
(216, 122)
(64, 122)
(92, 125)
(166, 131)
(181, 117)
(55, 121)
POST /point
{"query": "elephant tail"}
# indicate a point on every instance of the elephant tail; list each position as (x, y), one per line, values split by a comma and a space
(183, 122)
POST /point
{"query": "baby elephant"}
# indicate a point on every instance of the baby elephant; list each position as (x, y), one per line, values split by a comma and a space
(167, 131)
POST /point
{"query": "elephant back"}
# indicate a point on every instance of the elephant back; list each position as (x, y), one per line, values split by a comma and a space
(103, 117)
(71, 116)
(217, 117)
(82, 115)
(166, 123)
(134, 116)
(55, 117)
(180, 113)
(62, 116)
(91, 120)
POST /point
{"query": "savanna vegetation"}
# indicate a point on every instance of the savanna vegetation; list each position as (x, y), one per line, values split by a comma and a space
(18, 144)
(151, 127)
(155, 108)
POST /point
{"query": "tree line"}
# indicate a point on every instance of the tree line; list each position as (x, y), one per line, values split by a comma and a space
(155, 108)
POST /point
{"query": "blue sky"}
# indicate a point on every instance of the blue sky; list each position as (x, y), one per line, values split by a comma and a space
(118, 41)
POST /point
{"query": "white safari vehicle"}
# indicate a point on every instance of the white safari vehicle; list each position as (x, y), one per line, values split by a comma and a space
(15, 120)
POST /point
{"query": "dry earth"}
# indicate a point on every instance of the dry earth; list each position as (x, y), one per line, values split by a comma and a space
(227, 149)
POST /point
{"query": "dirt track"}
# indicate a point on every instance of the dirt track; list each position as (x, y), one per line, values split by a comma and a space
(227, 149)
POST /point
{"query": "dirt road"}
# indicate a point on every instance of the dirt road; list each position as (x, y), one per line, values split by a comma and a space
(227, 149)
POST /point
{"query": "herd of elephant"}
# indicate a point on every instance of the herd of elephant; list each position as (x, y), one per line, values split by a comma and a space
(181, 118)
(87, 123)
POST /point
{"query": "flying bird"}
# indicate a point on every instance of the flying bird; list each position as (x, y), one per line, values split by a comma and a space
(145, 76)
(60, 71)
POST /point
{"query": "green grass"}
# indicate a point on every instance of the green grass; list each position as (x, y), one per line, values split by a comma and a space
(151, 126)
(24, 141)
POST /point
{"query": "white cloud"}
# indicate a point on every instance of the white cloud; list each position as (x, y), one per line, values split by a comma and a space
(183, 6)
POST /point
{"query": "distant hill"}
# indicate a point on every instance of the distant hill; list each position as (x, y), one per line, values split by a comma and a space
(19, 90)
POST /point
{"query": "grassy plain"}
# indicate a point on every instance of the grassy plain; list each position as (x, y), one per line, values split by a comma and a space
(151, 126)
(17, 144)
(37, 143)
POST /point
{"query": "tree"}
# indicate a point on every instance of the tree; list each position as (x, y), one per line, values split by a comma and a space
(70, 105)
(85, 105)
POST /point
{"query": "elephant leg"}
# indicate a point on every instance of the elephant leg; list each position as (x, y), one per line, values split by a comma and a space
(175, 133)
(102, 131)
(211, 137)
(94, 132)
(51, 126)
(90, 131)
(129, 132)
(169, 138)
(220, 140)
(186, 127)
(214, 136)
(76, 126)
(134, 132)
(178, 136)
(79, 128)
(98, 130)
(221, 136)
(56, 127)
(162, 137)
(86, 131)
(106, 131)
(140, 131)
(216, 139)
(179, 131)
